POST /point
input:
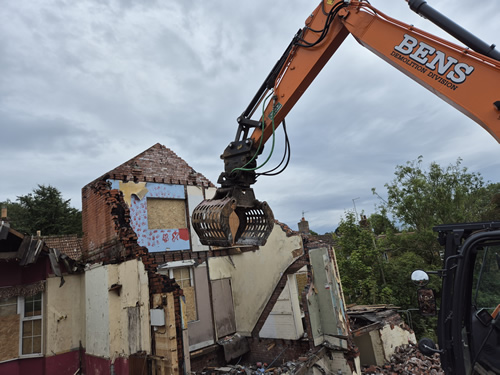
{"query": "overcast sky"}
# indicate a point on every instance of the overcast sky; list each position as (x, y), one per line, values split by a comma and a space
(86, 85)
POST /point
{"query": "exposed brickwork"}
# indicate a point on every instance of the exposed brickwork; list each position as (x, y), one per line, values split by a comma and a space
(273, 350)
(158, 164)
(210, 357)
(289, 232)
(98, 227)
(109, 238)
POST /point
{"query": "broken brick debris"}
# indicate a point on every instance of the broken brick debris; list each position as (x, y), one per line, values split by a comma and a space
(280, 363)
(407, 360)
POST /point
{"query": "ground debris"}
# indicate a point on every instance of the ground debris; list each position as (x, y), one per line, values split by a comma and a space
(407, 360)
(256, 369)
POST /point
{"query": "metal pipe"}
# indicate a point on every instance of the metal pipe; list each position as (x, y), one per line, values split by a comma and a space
(422, 8)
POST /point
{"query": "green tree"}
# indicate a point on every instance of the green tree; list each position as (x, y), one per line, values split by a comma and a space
(492, 195)
(381, 224)
(421, 199)
(376, 259)
(359, 262)
(44, 210)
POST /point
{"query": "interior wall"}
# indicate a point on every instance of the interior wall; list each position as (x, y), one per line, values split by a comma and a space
(222, 297)
(284, 321)
(325, 301)
(254, 275)
(201, 330)
(138, 197)
(366, 353)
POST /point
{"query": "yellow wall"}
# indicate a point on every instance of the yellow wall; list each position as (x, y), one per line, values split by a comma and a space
(128, 336)
(117, 320)
(255, 274)
(64, 314)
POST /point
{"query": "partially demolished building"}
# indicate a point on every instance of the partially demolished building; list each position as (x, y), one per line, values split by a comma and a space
(152, 299)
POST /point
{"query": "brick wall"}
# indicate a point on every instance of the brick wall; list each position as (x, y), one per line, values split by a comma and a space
(98, 226)
(273, 350)
(159, 164)
(109, 238)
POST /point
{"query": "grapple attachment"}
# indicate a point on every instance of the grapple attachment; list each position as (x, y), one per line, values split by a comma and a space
(233, 218)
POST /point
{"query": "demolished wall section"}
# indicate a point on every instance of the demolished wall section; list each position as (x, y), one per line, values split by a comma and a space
(121, 244)
(252, 281)
(98, 227)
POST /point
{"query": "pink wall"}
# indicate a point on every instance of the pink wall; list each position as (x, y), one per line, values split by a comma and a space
(12, 274)
(31, 366)
(63, 364)
(102, 366)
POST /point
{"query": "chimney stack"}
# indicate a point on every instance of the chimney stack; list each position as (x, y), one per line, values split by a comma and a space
(303, 226)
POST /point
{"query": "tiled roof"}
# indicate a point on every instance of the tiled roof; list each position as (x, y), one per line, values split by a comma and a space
(69, 244)
(158, 164)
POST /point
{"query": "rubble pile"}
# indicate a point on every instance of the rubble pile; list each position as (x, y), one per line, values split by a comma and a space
(407, 360)
(256, 369)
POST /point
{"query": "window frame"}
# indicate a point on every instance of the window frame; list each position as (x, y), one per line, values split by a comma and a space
(168, 269)
(191, 274)
(21, 301)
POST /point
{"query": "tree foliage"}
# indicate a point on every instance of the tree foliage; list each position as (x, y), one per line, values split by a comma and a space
(420, 199)
(46, 211)
(376, 258)
(358, 261)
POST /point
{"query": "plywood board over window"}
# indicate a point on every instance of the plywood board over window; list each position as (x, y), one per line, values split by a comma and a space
(166, 213)
(183, 277)
(9, 329)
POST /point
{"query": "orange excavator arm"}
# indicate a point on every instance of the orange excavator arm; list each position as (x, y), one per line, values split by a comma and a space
(466, 78)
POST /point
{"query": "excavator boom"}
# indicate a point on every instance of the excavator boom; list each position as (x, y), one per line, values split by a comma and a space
(466, 79)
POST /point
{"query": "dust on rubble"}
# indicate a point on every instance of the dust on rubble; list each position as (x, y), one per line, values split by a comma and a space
(407, 359)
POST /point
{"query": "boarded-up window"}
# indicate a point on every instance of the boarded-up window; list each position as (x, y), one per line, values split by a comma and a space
(166, 213)
(8, 306)
(184, 277)
(9, 329)
(9, 333)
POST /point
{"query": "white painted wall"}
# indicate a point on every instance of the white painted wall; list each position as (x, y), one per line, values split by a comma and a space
(285, 321)
(97, 311)
(127, 337)
(254, 275)
(109, 333)
(64, 314)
